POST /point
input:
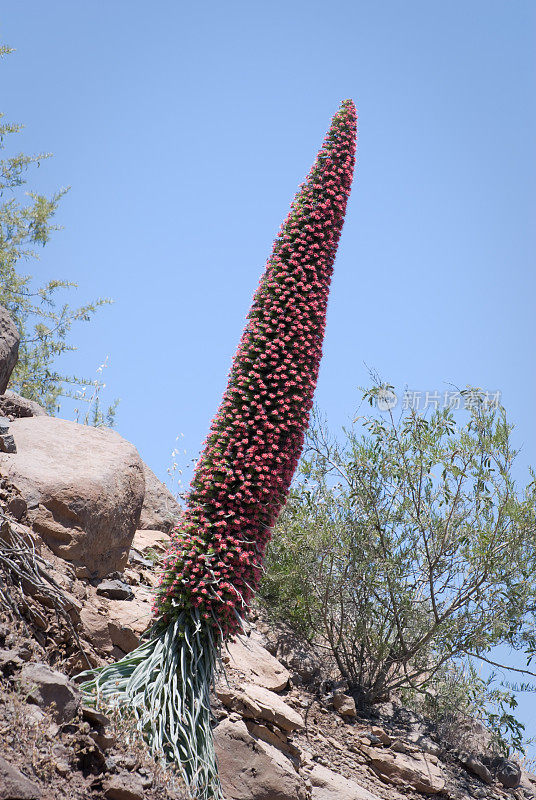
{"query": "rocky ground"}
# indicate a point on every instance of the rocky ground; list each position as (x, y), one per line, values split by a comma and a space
(54, 748)
(334, 753)
(83, 525)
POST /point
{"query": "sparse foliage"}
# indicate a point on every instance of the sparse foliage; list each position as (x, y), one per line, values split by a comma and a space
(408, 547)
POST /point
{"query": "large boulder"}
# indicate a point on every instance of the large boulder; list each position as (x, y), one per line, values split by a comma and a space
(508, 773)
(9, 348)
(83, 486)
(160, 510)
(251, 769)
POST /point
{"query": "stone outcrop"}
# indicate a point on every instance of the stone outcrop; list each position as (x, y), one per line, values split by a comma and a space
(418, 769)
(9, 348)
(83, 486)
(13, 406)
(327, 785)
(251, 661)
(251, 769)
(259, 703)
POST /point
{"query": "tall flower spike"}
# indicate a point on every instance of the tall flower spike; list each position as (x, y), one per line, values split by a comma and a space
(242, 478)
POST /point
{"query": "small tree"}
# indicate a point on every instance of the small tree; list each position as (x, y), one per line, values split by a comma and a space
(408, 547)
(44, 326)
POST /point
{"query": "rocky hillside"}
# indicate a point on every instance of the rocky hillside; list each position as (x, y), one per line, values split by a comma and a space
(83, 525)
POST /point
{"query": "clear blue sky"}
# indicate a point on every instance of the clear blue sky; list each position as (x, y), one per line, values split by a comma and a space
(184, 130)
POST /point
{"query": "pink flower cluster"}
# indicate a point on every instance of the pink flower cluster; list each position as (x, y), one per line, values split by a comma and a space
(244, 473)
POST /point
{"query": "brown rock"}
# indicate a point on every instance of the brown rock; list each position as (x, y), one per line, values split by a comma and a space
(402, 746)
(474, 765)
(509, 774)
(160, 510)
(17, 507)
(238, 702)
(125, 786)
(95, 717)
(274, 709)
(344, 704)
(275, 737)
(384, 738)
(83, 486)
(248, 657)
(150, 539)
(15, 406)
(419, 770)
(9, 348)
(95, 629)
(258, 703)
(128, 619)
(327, 785)
(103, 738)
(251, 769)
(50, 689)
(14, 785)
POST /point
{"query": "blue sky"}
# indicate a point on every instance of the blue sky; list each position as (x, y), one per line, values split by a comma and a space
(184, 131)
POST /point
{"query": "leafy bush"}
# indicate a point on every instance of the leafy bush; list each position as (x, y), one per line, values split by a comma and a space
(408, 547)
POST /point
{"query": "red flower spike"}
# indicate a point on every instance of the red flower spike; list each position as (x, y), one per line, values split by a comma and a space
(255, 440)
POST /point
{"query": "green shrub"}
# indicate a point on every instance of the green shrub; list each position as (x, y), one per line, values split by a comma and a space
(408, 547)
